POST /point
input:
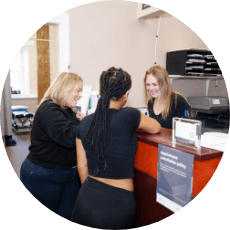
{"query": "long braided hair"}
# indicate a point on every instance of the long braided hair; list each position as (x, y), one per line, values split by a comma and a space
(114, 83)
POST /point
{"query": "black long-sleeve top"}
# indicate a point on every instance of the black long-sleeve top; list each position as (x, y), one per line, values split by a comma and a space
(177, 108)
(53, 143)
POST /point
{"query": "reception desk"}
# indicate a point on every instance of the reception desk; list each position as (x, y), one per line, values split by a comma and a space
(145, 168)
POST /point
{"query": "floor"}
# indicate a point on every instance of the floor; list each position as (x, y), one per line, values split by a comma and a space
(18, 153)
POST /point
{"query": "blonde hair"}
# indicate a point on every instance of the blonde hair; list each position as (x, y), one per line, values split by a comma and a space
(60, 88)
(166, 89)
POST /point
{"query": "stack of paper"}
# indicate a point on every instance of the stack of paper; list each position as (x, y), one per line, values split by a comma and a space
(214, 140)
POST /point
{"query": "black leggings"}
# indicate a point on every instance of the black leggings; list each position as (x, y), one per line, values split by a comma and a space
(103, 206)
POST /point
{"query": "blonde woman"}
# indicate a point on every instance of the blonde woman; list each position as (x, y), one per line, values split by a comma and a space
(164, 102)
(49, 172)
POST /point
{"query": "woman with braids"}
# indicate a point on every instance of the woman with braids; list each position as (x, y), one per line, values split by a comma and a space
(106, 146)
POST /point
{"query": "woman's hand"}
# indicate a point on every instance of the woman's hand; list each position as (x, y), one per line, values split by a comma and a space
(80, 115)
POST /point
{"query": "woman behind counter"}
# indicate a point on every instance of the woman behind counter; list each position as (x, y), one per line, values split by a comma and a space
(49, 172)
(106, 146)
(164, 102)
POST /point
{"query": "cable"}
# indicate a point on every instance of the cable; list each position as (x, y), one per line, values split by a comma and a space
(156, 41)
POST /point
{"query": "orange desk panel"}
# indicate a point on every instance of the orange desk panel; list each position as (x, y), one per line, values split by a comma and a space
(146, 160)
(203, 172)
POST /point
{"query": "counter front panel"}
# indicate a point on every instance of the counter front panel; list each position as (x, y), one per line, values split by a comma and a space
(145, 180)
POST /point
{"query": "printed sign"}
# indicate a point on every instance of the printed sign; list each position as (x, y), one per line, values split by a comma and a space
(186, 132)
(175, 176)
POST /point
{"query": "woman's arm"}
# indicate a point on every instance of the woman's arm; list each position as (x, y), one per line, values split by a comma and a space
(148, 124)
(61, 127)
(81, 161)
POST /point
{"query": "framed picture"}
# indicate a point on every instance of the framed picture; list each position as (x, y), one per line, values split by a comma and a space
(144, 6)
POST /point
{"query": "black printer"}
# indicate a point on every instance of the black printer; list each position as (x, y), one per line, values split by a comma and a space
(213, 111)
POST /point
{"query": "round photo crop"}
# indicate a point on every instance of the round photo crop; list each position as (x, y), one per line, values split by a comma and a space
(114, 114)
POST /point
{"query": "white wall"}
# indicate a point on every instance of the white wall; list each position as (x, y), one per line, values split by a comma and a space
(108, 33)
(173, 35)
(105, 34)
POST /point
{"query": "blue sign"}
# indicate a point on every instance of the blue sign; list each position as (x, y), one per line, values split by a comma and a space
(175, 177)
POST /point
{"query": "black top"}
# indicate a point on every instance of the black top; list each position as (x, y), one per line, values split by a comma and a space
(176, 110)
(120, 143)
(53, 143)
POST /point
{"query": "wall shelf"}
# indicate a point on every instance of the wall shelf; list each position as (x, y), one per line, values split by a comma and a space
(192, 62)
(206, 78)
(195, 77)
(23, 96)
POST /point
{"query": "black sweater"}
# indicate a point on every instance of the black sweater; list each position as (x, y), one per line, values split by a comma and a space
(53, 143)
(177, 109)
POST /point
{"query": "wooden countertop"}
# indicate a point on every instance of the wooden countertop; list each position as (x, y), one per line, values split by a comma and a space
(165, 138)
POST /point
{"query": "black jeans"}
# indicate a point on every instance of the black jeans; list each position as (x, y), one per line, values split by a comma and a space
(103, 206)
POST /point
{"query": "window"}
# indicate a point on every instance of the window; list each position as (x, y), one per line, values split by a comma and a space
(19, 72)
(23, 71)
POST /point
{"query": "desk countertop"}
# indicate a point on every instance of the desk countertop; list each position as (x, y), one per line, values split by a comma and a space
(165, 138)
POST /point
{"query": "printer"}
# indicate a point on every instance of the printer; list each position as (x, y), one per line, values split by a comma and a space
(209, 104)
(213, 111)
